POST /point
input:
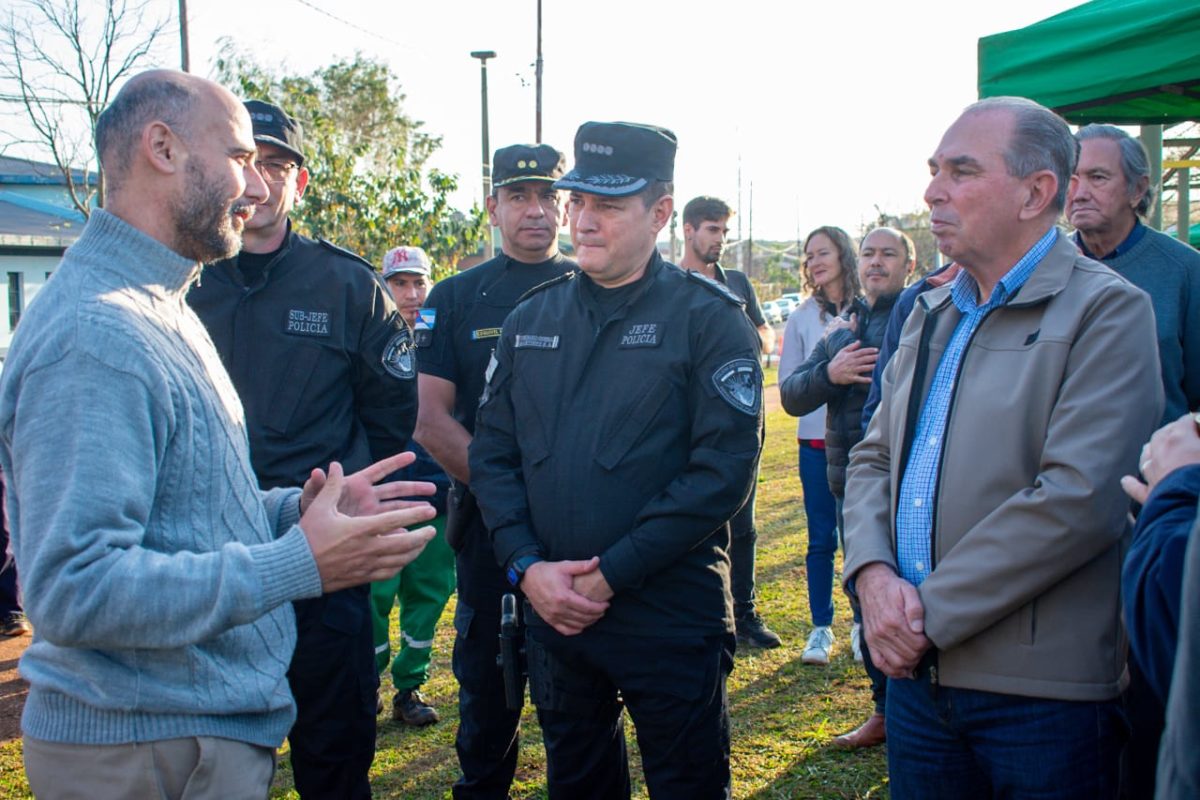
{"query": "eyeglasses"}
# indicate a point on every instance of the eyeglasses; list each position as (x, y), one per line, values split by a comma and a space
(275, 171)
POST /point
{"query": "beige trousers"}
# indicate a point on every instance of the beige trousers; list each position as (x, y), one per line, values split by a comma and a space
(194, 768)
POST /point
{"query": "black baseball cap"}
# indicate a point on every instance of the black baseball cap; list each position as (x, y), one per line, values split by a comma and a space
(618, 159)
(272, 125)
(527, 162)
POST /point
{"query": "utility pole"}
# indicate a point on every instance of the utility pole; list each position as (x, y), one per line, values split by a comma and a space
(739, 208)
(749, 265)
(537, 71)
(674, 238)
(483, 56)
(185, 59)
(799, 247)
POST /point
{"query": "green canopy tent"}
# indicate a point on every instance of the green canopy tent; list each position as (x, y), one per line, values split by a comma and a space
(1131, 62)
(1127, 62)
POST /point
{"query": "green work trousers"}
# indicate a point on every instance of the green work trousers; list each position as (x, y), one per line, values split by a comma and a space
(422, 589)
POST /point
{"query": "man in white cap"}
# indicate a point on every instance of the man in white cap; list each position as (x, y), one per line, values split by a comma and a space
(423, 588)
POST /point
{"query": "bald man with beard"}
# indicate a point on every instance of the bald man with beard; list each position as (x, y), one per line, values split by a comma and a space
(157, 575)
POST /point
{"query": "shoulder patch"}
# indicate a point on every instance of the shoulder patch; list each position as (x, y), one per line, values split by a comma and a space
(716, 287)
(739, 382)
(341, 251)
(398, 358)
(566, 276)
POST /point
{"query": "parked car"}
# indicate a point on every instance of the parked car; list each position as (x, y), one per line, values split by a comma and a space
(795, 297)
(771, 312)
(783, 307)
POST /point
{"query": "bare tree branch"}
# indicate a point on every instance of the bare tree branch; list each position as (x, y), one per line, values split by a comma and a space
(63, 68)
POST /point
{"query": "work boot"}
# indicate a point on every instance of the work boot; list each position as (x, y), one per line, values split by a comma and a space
(753, 632)
(411, 709)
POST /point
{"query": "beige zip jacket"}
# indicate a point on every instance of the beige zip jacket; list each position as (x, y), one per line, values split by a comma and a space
(1057, 392)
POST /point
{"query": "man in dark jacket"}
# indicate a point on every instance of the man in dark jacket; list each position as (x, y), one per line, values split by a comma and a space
(838, 372)
(619, 431)
(324, 367)
(456, 332)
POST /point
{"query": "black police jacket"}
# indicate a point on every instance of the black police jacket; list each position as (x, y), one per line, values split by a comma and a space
(633, 439)
(321, 360)
(460, 324)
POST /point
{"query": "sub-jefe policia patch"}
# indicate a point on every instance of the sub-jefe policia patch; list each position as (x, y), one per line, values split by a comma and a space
(398, 357)
(642, 334)
(739, 384)
(302, 322)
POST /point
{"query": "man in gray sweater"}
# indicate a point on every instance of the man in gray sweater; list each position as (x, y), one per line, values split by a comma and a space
(156, 574)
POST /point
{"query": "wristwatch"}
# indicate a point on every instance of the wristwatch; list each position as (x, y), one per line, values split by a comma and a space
(516, 570)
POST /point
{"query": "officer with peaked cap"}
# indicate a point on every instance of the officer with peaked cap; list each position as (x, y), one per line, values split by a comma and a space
(324, 367)
(619, 431)
(455, 335)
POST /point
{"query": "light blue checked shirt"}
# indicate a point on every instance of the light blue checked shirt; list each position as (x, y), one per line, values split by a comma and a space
(914, 511)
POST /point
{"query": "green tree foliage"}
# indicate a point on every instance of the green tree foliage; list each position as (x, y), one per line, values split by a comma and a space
(369, 188)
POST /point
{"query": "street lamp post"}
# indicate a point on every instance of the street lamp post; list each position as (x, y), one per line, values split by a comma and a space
(483, 56)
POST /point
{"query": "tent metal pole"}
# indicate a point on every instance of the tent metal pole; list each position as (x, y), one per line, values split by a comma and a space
(1152, 140)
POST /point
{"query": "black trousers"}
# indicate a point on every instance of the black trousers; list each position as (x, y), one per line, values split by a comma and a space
(333, 678)
(743, 544)
(675, 691)
(487, 736)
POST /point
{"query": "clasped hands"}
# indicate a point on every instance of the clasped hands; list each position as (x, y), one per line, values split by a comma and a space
(893, 620)
(569, 595)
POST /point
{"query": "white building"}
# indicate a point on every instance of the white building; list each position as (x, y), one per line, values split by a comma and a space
(37, 223)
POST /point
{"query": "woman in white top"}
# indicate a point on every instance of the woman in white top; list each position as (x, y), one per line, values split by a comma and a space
(831, 280)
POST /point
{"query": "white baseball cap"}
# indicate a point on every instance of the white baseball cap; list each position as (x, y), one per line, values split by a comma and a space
(406, 259)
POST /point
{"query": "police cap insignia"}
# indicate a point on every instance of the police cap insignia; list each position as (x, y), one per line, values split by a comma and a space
(398, 358)
(739, 382)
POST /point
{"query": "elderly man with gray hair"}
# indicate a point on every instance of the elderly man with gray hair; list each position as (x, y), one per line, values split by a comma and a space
(1111, 189)
(984, 516)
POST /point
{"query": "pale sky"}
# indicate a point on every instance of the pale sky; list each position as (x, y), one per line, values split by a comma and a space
(832, 107)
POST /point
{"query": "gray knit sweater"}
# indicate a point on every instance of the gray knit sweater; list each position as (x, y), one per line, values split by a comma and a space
(155, 573)
(1169, 271)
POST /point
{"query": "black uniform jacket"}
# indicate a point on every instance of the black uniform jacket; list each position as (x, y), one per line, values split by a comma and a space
(321, 360)
(455, 341)
(634, 439)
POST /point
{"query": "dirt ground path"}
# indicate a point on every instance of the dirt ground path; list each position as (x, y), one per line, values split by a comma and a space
(12, 687)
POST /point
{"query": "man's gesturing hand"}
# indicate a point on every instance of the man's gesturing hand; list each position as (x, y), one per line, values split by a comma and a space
(352, 550)
(893, 620)
(549, 587)
(360, 495)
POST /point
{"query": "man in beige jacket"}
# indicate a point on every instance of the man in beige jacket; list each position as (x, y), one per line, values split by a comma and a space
(984, 515)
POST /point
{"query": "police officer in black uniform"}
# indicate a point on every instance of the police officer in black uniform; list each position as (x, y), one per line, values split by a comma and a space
(618, 433)
(455, 334)
(326, 372)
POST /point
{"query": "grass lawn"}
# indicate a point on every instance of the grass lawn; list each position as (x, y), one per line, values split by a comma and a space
(784, 713)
